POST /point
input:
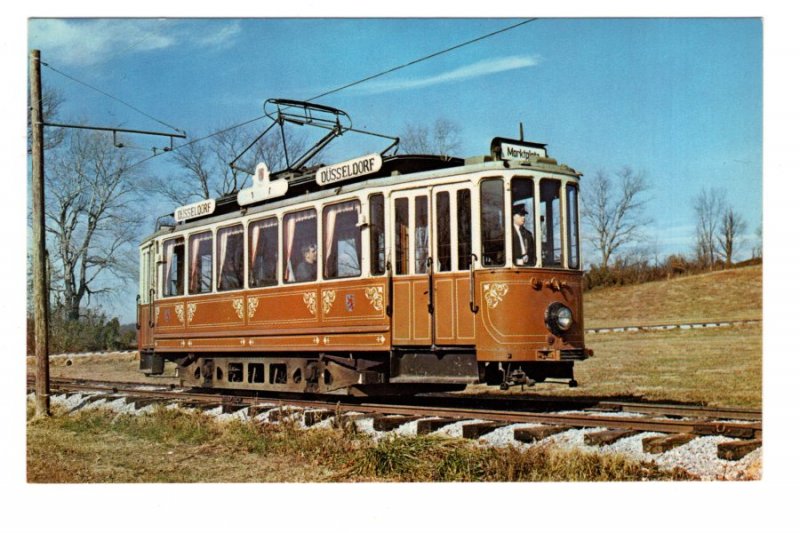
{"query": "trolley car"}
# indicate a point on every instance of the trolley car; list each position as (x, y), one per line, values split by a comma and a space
(378, 275)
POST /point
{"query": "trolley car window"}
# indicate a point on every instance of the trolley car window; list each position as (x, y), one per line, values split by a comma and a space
(342, 244)
(377, 235)
(230, 258)
(300, 246)
(573, 254)
(401, 236)
(264, 252)
(523, 245)
(443, 231)
(493, 239)
(200, 265)
(421, 234)
(173, 268)
(464, 228)
(550, 217)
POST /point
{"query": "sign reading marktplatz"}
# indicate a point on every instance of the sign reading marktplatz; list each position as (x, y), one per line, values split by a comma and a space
(512, 149)
(197, 209)
(346, 170)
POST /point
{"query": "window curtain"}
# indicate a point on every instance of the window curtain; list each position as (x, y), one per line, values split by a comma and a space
(222, 239)
(169, 248)
(194, 272)
(291, 223)
(254, 235)
(330, 227)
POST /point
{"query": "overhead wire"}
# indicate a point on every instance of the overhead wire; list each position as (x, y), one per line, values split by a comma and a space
(421, 59)
(104, 93)
(363, 80)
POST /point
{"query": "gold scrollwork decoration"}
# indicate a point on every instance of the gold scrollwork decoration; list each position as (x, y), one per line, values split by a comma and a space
(327, 300)
(375, 297)
(494, 293)
(252, 305)
(238, 305)
(190, 309)
(310, 299)
(179, 312)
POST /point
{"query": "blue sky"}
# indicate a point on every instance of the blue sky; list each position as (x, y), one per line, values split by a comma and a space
(679, 99)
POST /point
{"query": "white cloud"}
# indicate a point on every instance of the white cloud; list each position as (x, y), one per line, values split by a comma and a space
(91, 42)
(223, 37)
(475, 70)
(74, 42)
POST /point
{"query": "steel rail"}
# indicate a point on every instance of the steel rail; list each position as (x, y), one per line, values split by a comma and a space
(702, 420)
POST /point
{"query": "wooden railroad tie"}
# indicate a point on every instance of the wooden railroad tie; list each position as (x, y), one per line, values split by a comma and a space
(538, 433)
(735, 431)
(663, 444)
(390, 422)
(315, 417)
(230, 408)
(279, 413)
(138, 403)
(736, 449)
(255, 410)
(425, 427)
(342, 420)
(609, 436)
(478, 429)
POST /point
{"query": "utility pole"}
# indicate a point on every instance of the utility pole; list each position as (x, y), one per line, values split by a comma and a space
(40, 297)
(40, 274)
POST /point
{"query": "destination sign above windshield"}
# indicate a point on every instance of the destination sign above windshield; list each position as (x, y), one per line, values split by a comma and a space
(511, 149)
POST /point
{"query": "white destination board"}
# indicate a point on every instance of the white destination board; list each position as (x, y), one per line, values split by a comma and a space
(263, 188)
(347, 170)
(516, 151)
(197, 209)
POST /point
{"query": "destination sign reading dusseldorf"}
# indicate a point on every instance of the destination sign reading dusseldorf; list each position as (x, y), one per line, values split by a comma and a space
(346, 170)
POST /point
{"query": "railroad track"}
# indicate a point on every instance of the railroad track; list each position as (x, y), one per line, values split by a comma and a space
(677, 424)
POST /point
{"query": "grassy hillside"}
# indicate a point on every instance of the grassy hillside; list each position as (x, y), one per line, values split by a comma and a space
(726, 295)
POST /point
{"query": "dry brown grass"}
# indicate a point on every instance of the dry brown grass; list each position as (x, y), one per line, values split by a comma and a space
(720, 367)
(726, 295)
(110, 367)
(97, 446)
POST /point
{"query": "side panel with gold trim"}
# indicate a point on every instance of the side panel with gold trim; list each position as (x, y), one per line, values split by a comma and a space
(336, 315)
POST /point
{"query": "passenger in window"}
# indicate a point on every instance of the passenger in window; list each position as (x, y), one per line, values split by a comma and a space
(307, 269)
(522, 240)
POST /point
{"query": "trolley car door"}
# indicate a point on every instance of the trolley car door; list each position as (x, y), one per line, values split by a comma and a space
(411, 257)
(147, 293)
(452, 250)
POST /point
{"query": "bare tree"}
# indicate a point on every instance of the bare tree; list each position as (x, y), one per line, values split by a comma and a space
(51, 104)
(709, 207)
(92, 219)
(758, 249)
(732, 227)
(614, 211)
(443, 139)
(205, 170)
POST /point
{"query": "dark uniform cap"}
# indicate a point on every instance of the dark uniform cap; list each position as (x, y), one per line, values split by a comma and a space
(520, 210)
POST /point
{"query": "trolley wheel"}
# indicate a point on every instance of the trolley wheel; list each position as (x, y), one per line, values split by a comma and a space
(573, 384)
(504, 386)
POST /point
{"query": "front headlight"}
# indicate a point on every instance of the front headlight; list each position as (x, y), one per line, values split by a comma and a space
(559, 317)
